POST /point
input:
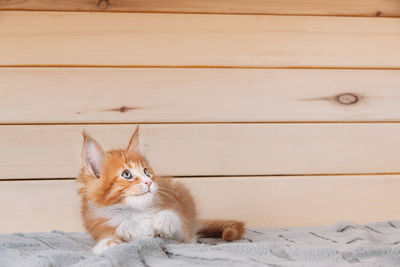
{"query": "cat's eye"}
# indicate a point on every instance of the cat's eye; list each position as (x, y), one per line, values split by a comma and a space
(146, 171)
(127, 175)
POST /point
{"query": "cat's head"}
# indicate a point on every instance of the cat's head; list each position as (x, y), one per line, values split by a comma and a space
(119, 176)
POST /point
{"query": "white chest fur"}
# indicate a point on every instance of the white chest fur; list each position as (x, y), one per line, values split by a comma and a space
(129, 223)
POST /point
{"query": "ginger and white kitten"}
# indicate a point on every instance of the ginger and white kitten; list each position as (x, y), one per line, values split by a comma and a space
(122, 200)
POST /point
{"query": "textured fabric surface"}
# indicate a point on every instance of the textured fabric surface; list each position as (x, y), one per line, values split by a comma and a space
(343, 244)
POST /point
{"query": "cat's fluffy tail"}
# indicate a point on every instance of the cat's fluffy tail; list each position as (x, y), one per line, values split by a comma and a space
(226, 229)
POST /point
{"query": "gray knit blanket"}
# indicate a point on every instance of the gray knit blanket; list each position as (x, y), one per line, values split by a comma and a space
(344, 244)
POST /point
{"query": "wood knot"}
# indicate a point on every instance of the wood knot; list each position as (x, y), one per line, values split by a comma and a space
(347, 99)
(123, 109)
(103, 4)
(378, 13)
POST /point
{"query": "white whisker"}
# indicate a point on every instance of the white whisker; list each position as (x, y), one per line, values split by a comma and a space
(171, 198)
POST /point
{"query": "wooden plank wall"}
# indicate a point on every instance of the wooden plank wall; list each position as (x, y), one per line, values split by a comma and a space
(287, 111)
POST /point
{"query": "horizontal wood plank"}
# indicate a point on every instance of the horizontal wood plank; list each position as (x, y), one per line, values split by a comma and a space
(98, 95)
(260, 202)
(132, 39)
(53, 151)
(304, 7)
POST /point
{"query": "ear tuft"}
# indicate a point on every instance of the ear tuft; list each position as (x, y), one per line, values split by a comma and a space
(134, 142)
(92, 155)
(84, 134)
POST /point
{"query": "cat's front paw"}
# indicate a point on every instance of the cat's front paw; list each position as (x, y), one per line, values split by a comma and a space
(168, 225)
(103, 245)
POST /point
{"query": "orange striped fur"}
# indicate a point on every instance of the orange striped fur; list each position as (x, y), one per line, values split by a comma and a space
(122, 199)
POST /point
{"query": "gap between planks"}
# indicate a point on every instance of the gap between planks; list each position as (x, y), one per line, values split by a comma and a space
(354, 15)
(224, 176)
(368, 8)
(194, 67)
(196, 122)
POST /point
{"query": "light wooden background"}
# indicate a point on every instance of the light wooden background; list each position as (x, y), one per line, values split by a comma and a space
(278, 113)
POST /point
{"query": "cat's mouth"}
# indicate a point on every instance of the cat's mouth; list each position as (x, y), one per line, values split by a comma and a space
(144, 193)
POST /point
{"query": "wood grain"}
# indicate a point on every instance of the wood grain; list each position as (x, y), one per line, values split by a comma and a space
(53, 151)
(260, 202)
(304, 7)
(129, 39)
(109, 95)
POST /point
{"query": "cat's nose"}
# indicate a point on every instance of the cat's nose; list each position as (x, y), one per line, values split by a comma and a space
(148, 183)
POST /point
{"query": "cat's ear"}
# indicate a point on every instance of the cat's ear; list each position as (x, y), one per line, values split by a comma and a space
(92, 155)
(134, 142)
